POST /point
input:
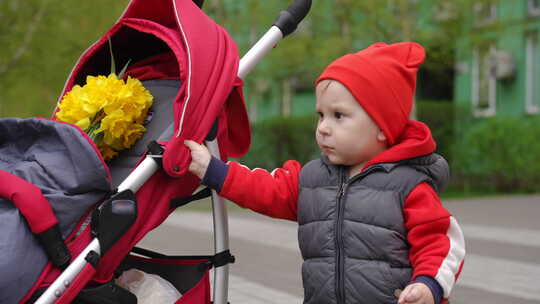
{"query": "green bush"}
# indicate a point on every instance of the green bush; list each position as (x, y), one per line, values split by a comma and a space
(497, 155)
(279, 139)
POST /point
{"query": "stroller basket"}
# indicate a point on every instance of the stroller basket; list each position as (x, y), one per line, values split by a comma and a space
(187, 274)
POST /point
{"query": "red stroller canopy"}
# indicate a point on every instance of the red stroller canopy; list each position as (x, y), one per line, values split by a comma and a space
(207, 64)
(200, 54)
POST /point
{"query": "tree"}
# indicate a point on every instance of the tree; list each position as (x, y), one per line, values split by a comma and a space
(41, 41)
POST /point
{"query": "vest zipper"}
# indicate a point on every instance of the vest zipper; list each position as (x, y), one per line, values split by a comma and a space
(344, 182)
(340, 276)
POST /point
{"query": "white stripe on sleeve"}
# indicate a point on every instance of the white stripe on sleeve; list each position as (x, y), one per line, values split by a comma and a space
(446, 276)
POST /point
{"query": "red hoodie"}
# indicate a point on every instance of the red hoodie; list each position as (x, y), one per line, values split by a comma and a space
(436, 243)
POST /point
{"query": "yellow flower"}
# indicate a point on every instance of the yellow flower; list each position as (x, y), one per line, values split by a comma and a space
(132, 98)
(114, 124)
(109, 109)
(71, 109)
(83, 123)
(133, 134)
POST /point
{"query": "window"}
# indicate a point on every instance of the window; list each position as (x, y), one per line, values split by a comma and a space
(532, 76)
(485, 13)
(534, 7)
(484, 83)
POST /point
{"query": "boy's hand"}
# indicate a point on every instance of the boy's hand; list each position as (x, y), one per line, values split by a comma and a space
(200, 158)
(417, 293)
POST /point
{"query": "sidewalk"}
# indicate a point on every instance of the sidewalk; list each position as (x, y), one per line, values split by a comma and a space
(502, 263)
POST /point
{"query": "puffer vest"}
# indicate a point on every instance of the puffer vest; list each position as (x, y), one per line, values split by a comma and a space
(351, 230)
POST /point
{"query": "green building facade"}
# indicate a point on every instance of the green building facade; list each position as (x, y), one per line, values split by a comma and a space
(498, 60)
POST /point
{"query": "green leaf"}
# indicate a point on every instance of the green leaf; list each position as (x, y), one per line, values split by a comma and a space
(113, 64)
(121, 75)
(96, 137)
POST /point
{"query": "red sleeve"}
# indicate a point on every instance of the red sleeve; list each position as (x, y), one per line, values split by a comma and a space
(273, 194)
(437, 243)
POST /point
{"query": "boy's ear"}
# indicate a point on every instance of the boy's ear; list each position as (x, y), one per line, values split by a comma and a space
(381, 136)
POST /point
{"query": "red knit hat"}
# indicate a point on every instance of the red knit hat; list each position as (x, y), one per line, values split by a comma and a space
(382, 78)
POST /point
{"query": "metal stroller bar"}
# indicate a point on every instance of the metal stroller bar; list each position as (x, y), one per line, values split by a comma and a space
(221, 236)
(285, 24)
(60, 285)
(136, 180)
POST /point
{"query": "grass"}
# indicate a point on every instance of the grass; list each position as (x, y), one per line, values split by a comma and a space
(31, 85)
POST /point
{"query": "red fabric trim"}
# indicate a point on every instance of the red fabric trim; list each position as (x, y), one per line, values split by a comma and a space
(199, 294)
(161, 12)
(162, 66)
(29, 200)
(166, 64)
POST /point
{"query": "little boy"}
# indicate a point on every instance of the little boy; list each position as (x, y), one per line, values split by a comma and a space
(372, 228)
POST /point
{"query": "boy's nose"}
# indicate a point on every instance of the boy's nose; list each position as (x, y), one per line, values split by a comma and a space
(323, 129)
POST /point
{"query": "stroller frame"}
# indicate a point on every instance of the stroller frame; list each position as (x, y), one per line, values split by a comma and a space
(285, 24)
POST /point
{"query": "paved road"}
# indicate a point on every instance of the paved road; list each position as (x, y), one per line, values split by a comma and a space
(502, 264)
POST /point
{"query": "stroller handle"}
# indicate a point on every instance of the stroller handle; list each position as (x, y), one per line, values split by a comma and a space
(286, 23)
(289, 19)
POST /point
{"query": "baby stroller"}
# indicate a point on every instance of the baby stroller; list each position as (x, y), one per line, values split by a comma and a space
(192, 68)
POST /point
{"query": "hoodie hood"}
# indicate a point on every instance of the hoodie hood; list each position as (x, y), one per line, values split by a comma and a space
(415, 148)
(415, 141)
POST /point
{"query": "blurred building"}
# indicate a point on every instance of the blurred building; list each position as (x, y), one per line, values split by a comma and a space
(483, 55)
(498, 59)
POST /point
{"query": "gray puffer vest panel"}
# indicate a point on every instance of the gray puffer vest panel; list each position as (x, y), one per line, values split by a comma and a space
(351, 231)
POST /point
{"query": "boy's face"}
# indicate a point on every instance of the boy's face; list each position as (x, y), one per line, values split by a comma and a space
(345, 132)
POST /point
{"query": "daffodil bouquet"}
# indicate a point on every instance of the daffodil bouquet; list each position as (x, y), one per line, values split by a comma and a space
(110, 110)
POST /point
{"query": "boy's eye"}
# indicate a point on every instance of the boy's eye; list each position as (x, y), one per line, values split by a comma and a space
(320, 114)
(338, 115)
